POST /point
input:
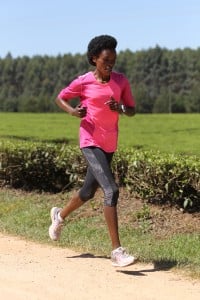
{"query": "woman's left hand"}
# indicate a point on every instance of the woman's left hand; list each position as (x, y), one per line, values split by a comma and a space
(114, 105)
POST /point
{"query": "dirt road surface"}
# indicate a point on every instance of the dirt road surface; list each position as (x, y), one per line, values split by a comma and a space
(30, 271)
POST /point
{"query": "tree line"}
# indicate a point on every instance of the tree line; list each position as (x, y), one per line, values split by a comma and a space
(162, 80)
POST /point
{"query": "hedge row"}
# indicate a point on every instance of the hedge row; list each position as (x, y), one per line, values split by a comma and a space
(160, 178)
(155, 177)
(43, 167)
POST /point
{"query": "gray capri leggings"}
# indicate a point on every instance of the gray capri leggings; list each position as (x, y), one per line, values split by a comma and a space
(99, 173)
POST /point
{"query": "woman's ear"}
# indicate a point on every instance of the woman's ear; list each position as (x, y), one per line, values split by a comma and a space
(94, 59)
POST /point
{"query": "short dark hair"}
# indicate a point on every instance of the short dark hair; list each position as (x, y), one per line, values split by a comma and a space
(98, 44)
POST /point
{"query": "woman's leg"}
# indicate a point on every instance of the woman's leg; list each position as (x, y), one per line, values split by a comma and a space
(78, 199)
(86, 192)
(74, 203)
(110, 213)
(99, 164)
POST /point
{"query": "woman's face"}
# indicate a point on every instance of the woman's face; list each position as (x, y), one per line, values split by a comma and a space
(105, 62)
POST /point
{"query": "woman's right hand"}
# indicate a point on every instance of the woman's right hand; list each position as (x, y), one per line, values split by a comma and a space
(79, 111)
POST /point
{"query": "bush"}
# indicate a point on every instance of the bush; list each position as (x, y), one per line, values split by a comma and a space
(162, 178)
(155, 177)
(41, 167)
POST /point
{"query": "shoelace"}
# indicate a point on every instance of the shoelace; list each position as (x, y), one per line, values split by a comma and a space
(122, 253)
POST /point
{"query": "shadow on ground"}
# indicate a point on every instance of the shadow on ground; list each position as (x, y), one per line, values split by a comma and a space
(88, 255)
(163, 265)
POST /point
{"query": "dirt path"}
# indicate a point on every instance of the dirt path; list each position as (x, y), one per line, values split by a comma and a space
(30, 271)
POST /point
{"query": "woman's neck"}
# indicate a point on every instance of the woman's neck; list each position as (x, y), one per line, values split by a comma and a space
(100, 78)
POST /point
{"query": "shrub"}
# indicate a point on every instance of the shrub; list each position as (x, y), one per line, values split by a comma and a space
(42, 167)
(155, 177)
(162, 178)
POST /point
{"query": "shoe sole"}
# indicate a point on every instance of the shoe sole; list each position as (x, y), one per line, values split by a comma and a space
(123, 265)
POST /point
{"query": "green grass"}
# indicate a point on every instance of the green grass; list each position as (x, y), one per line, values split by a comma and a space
(27, 215)
(172, 133)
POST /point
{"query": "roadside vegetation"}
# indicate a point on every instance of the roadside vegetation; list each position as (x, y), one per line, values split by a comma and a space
(163, 235)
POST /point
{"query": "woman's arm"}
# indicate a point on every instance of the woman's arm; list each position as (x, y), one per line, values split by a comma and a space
(77, 111)
(127, 110)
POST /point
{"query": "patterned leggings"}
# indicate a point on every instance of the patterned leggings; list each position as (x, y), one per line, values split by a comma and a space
(99, 173)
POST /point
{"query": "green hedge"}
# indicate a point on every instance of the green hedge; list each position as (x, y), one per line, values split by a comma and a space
(161, 178)
(155, 177)
(43, 167)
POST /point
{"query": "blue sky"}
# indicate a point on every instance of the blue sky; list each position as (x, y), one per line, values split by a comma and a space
(41, 27)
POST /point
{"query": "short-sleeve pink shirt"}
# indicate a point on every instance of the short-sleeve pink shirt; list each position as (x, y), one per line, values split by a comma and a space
(100, 125)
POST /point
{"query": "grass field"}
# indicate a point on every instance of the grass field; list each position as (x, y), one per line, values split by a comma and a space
(174, 133)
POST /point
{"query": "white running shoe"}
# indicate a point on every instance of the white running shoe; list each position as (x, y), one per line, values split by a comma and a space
(56, 226)
(120, 258)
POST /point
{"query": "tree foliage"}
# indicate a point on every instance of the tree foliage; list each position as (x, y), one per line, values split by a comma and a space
(162, 80)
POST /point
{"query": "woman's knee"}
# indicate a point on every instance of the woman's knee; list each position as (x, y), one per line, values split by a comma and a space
(86, 195)
(111, 196)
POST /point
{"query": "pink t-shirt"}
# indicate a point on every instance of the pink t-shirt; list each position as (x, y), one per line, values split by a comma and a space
(100, 126)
